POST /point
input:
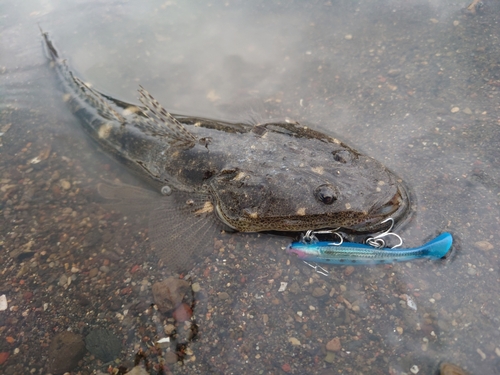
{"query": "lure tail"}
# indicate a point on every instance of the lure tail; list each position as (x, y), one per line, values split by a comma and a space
(439, 246)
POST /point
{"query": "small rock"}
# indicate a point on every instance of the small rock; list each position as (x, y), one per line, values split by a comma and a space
(3, 302)
(65, 184)
(348, 270)
(171, 357)
(484, 245)
(394, 72)
(318, 292)
(196, 287)
(183, 313)
(471, 271)
(103, 344)
(137, 370)
(93, 272)
(294, 288)
(449, 369)
(3, 357)
(414, 369)
(348, 37)
(65, 350)
(467, 111)
(63, 280)
(169, 328)
(294, 341)
(455, 110)
(223, 296)
(333, 345)
(286, 367)
(399, 330)
(330, 357)
(169, 293)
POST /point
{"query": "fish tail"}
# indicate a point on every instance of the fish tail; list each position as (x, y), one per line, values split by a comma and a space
(49, 46)
(439, 246)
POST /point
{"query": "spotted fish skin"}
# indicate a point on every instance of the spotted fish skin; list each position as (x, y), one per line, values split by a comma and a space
(247, 177)
(360, 254)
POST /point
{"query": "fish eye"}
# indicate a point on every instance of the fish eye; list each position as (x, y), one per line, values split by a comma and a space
(342, 156)
(325, 194)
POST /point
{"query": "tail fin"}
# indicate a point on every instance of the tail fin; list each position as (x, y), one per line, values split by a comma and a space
(51, 50)
(439, 246)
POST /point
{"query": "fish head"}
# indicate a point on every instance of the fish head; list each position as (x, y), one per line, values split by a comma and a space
(330, 187)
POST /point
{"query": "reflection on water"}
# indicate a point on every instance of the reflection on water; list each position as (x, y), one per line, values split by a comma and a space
(413, 84)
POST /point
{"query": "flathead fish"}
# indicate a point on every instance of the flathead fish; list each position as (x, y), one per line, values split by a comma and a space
(209, 175)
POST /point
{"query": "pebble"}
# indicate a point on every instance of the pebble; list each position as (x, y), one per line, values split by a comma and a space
(481, 353)
(394, 72)
(65, 184)
(471, 271)
(294, 341)
(196, 287)
(65, 351)
(63, 280)
(484, 245)
(103, 344)
(171, 357)
(3, 302)
(137, 370)
(169, 328)
(3, 357)
(348, 270)
(333, 345)
(330, 357)
(450, 369)
(169, 293)
(414, 369)
(93, 272)
(467, 111)
(183, 313)
(223, 295)
(318, 292)
(455, 110)
(348, 37)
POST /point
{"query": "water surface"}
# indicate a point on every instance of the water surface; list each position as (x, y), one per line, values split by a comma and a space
(413, 84)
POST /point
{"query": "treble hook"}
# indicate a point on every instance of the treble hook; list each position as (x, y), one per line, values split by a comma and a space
(379, 242)
(310, 236)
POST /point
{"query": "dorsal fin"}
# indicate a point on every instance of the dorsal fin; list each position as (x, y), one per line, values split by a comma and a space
(163, 123)
(96, 100)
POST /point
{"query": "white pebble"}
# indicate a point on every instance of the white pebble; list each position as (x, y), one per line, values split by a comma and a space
(414, 369)
(282, 286)
(3, 302)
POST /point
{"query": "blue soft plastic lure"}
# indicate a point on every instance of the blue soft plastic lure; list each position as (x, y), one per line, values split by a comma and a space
(361, 254)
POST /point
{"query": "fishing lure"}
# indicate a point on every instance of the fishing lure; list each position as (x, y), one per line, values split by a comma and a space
(310, 249)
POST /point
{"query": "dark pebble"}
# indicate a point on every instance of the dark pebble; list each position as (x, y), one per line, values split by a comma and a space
(103, 344)
(65, 350)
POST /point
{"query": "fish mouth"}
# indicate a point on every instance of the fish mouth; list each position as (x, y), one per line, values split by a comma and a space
(397, 208)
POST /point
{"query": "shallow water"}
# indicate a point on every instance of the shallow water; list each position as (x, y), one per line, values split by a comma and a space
(413, 84)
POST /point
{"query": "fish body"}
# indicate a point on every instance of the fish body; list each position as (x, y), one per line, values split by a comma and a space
(276, 176)
(349, 253)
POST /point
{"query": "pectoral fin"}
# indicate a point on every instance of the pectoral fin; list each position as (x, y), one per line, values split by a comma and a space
(182, 227)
